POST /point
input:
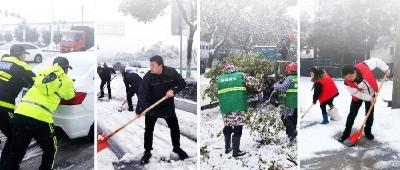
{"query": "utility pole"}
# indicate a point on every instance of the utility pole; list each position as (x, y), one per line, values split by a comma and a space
(82, 13)
(180, 45)
(396, 71)
(52, 20)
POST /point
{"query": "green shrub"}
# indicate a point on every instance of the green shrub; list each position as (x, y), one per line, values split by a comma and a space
(252, 64)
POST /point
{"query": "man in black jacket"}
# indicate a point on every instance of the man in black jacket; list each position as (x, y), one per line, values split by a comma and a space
(105, 76)
(160, 81)
(15, 74)
(132, 83)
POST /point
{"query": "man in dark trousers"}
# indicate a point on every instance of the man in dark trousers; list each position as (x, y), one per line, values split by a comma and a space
(160, 81)
(105, 76)
(132, 84)
(33, 117)
(288, 86)
(15, 74)
(362, 85)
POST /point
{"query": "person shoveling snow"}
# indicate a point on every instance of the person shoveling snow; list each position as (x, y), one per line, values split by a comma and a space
(105, 76)
(363, 87)
(325, 92)
(132, 83)
(159, 81)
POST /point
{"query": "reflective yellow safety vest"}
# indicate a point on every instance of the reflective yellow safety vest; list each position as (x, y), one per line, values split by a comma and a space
(51, 85)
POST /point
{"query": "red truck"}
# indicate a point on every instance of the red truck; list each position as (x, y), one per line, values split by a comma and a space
(79, 38)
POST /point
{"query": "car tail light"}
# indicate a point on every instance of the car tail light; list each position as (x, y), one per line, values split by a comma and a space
(78, 99)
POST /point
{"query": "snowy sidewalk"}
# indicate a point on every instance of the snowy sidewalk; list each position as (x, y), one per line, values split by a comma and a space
(212, 147)
(127, 145)
(319, 150)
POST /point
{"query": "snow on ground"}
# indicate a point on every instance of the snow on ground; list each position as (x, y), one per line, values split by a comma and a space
(319, 150)
(104, 158)
(213, 146)
(130, 140)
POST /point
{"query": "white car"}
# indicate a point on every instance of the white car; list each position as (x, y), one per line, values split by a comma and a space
(35, 53)
(76, 117)
(139, 67)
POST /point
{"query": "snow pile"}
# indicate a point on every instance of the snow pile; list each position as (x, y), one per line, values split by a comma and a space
(317, 144)
(104, 158)
(265, 123)
(162, 161)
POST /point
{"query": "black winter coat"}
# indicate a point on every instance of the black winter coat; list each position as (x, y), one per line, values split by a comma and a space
(132, 83)
(105, 73)
(13, 77)
(154, 87)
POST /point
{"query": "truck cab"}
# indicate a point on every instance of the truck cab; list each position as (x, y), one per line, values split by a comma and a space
(73, 41)
(79, 38)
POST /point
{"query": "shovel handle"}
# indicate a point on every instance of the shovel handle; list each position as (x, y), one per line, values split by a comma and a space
(372, 105)
(309, 108)
(136, 117)
(270, 96)
(123, 103)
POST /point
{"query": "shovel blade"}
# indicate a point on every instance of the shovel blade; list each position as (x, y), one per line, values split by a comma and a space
(102, 142)
(353, 139)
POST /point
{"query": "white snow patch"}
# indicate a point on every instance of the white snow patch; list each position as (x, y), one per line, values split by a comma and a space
(104, 158)
(320, 138)
(212, 141)
(131, 139)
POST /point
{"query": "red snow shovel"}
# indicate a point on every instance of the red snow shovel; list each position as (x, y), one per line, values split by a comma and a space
(102, 139)
(355, 137)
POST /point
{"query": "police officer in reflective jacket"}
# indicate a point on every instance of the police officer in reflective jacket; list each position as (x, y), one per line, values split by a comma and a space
(15, 74)
(33, 118)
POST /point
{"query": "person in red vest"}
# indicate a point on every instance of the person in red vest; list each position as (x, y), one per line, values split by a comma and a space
(325, 91)
(361, 83)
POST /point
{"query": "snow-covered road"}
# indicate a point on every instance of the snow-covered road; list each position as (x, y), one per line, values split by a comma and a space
(71, 154)
(127, 145)
(319, 150)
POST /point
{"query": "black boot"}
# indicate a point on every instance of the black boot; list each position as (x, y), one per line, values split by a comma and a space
(228, 144)
(109, 96)
(344, 136)
(368, 134)
(293, 136)
(145, 158)
(181, 153)
(236, 145)
(101, 96)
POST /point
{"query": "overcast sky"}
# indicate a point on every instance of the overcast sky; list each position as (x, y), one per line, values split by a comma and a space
(137, 35)
(40, 10)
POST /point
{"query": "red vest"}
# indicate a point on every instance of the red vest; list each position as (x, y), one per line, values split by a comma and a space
(367, 75)
(329, 88)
